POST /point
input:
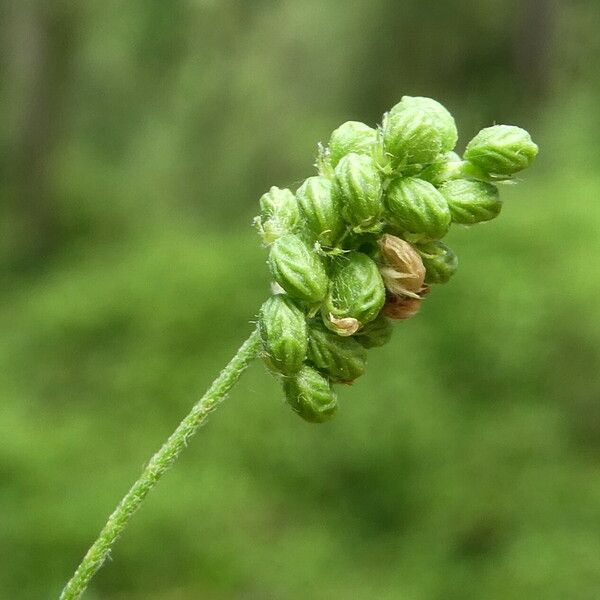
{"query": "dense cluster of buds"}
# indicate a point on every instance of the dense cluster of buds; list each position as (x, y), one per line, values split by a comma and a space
(359, 244)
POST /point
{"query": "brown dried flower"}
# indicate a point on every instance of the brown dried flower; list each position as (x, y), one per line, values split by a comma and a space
(345, 326)
(402, 270)
(401, 307)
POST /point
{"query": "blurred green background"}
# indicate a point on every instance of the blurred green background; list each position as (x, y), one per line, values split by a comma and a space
(135, 140)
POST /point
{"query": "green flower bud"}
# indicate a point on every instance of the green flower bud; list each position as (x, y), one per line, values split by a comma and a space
(321, 210)
(356, 292)
(376, 333)
(443, 121)
(283, 333)
(310, 395)
(439, 260)
(410, 135)
(417, 209)
(471, 202)
(342, 359)
(279, 214)
(443, 170)
(359, 189)
(452, 167)
(351, 136)
(298, 270)
(501, 150)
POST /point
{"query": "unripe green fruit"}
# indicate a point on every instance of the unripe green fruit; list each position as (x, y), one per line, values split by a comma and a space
(501, 150)
(439, 260)
(376, 333)
(356, 292)
(417, 209)
(283, 333)
(310, 395)
(359, 190)
(471, 202)
(351, 136)
(298, 269)
(443, 121)
(342, 359)
(321, 210)
(410, 136)
(279, 214)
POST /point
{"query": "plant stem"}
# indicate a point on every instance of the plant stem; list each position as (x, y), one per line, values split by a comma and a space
(159, 464)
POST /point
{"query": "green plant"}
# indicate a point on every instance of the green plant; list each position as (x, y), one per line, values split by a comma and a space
(356, 248)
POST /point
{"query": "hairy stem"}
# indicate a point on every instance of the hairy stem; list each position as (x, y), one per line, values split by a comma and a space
(159, 464)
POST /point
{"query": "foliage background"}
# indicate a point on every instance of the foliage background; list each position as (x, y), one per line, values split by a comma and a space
(135, 139)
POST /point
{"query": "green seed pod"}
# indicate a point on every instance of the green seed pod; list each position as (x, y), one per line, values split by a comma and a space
(342, 359)
(359, 190)
(351, 136)
(443, 121)
(283, 333)
(417, 209)
(310, 395)
(356, 294)
(501, 150)
(471, 202)
(439, 260)
(298, 270)
(279, 214)
(410, 135)
(321, 210)
(376, 333)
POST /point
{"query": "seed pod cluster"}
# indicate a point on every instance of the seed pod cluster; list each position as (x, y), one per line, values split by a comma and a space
(358, 246)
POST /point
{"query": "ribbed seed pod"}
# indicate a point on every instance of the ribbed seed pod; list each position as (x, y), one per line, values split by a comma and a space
(356, 292)
(439, 260)
(376, 333)
(351, 136)
(410, 136)
(279, 214)
(321, 210)
(470, 201)
(283, 333)
(342, 359)
(417, 209)
(310, 395)
(443, 121)
(401, 266)
(359, 190)
(501, 150)
(298, 269)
